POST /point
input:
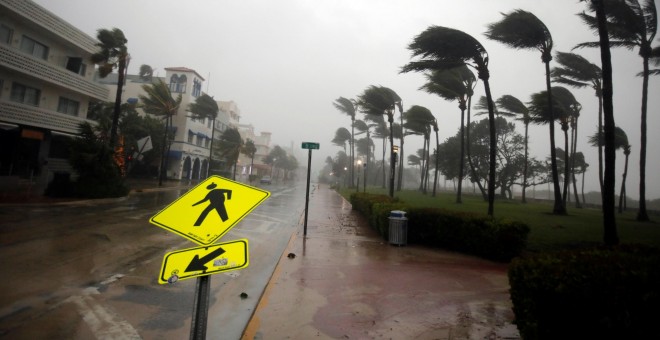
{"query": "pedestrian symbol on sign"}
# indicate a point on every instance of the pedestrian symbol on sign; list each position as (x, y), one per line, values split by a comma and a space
(216, 198)
(209, 210)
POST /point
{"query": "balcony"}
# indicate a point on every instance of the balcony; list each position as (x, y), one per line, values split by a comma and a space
(24, 64)
(21, 114)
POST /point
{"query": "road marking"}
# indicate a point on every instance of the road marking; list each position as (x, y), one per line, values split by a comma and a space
(104, 323)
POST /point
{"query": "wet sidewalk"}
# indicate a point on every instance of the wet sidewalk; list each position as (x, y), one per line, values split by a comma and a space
(344, 281)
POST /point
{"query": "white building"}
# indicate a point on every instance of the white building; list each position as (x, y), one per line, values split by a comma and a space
(46, 84)
(188, 158)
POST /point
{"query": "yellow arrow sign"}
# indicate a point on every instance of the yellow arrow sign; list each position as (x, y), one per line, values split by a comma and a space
(188, 263)
(210, 209)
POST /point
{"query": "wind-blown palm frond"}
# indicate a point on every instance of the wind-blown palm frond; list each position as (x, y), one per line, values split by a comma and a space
(510, 106)
(441, 48)
(451, 84)
(342, 135)
(521, 30)
(563, 101)
(576, 71)
(482, 107)
(345, 106)
(629, 23)
(159, 101)
(204, 107)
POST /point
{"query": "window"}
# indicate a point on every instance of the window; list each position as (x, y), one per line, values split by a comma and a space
(178, 83)
(190, 137)
(68, 106)
(33, 47)
(197, 88)
(25, 94)
(76, 65)
(5, 34)
(199, 140)
(208, 142)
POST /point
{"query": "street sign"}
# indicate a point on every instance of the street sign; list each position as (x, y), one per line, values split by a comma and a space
(193, 262)
(210, 209)
(310, 145)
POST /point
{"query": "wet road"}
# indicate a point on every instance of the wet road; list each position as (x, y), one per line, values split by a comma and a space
(89, 269)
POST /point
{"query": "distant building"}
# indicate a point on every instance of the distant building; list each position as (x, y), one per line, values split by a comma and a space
(246, 165)
(46, 84)
(188, 158)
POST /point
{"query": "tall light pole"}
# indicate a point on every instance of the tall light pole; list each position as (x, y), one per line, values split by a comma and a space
(359, 164)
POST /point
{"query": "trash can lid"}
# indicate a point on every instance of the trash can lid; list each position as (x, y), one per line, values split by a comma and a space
(397, 213)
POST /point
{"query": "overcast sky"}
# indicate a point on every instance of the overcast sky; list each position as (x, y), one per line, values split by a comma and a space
(284, 62)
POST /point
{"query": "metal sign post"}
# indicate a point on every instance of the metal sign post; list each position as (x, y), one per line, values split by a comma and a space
(310, 147)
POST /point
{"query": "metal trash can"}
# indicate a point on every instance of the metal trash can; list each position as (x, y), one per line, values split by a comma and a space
(398, 228)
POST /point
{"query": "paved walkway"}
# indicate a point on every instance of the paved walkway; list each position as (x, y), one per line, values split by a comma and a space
(343, 281)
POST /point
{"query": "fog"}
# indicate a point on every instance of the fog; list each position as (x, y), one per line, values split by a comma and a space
(285, 62)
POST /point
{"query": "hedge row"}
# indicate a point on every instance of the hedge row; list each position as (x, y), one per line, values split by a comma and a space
(494, 239)
(596, 293)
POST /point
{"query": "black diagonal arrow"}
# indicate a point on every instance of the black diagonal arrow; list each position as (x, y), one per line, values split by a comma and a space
(198, 264)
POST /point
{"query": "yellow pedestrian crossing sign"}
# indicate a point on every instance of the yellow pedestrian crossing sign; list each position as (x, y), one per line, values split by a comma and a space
(210, 209)
(193, 262)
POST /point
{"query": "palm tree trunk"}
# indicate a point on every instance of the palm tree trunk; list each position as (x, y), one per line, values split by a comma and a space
(162, 155)
(437, 157)
(600, 138)
(642, 215)
(390, 119)
(610, 236)
(461, 159)
(121, 76)
(352, 150)
(622, 195)
(400, 175)
(475, 175)
(493, 149)
(567, 176)
(573, 151)
(584, 171)
(559, 208)
(524, 186)
(383, 166)
(208, 169)
(423, 167)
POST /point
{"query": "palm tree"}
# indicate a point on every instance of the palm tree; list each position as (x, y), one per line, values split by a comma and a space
(419, 121)
(230, 146)
(441, 48)
(113, 54)
(342, 135)
(346, 106)
(629, 24)
(205, 107)
(146, 73)
(365, 128)
(565, 106)
(578, 72)
(510, 105)
(249, 149)
(620, 142)
(523, 30)
(454, 84)
(379, 100)
(159, 102)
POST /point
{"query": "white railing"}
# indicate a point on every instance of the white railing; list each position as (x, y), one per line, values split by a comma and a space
(25, 64)
(16, 113)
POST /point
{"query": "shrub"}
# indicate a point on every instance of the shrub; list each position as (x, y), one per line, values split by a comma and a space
(480, 235)
(596, 293)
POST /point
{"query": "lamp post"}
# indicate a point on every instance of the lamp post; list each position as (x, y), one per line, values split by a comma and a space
(271, 168)
(364, 184)
(357, 187)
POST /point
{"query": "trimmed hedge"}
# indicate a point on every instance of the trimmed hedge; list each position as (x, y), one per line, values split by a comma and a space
(596, 293)
(494, 239)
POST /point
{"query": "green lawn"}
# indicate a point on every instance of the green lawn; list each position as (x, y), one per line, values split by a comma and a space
(548, 231)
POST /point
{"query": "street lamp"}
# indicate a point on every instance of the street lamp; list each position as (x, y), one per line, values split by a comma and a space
(364, 185)
(357, 188)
